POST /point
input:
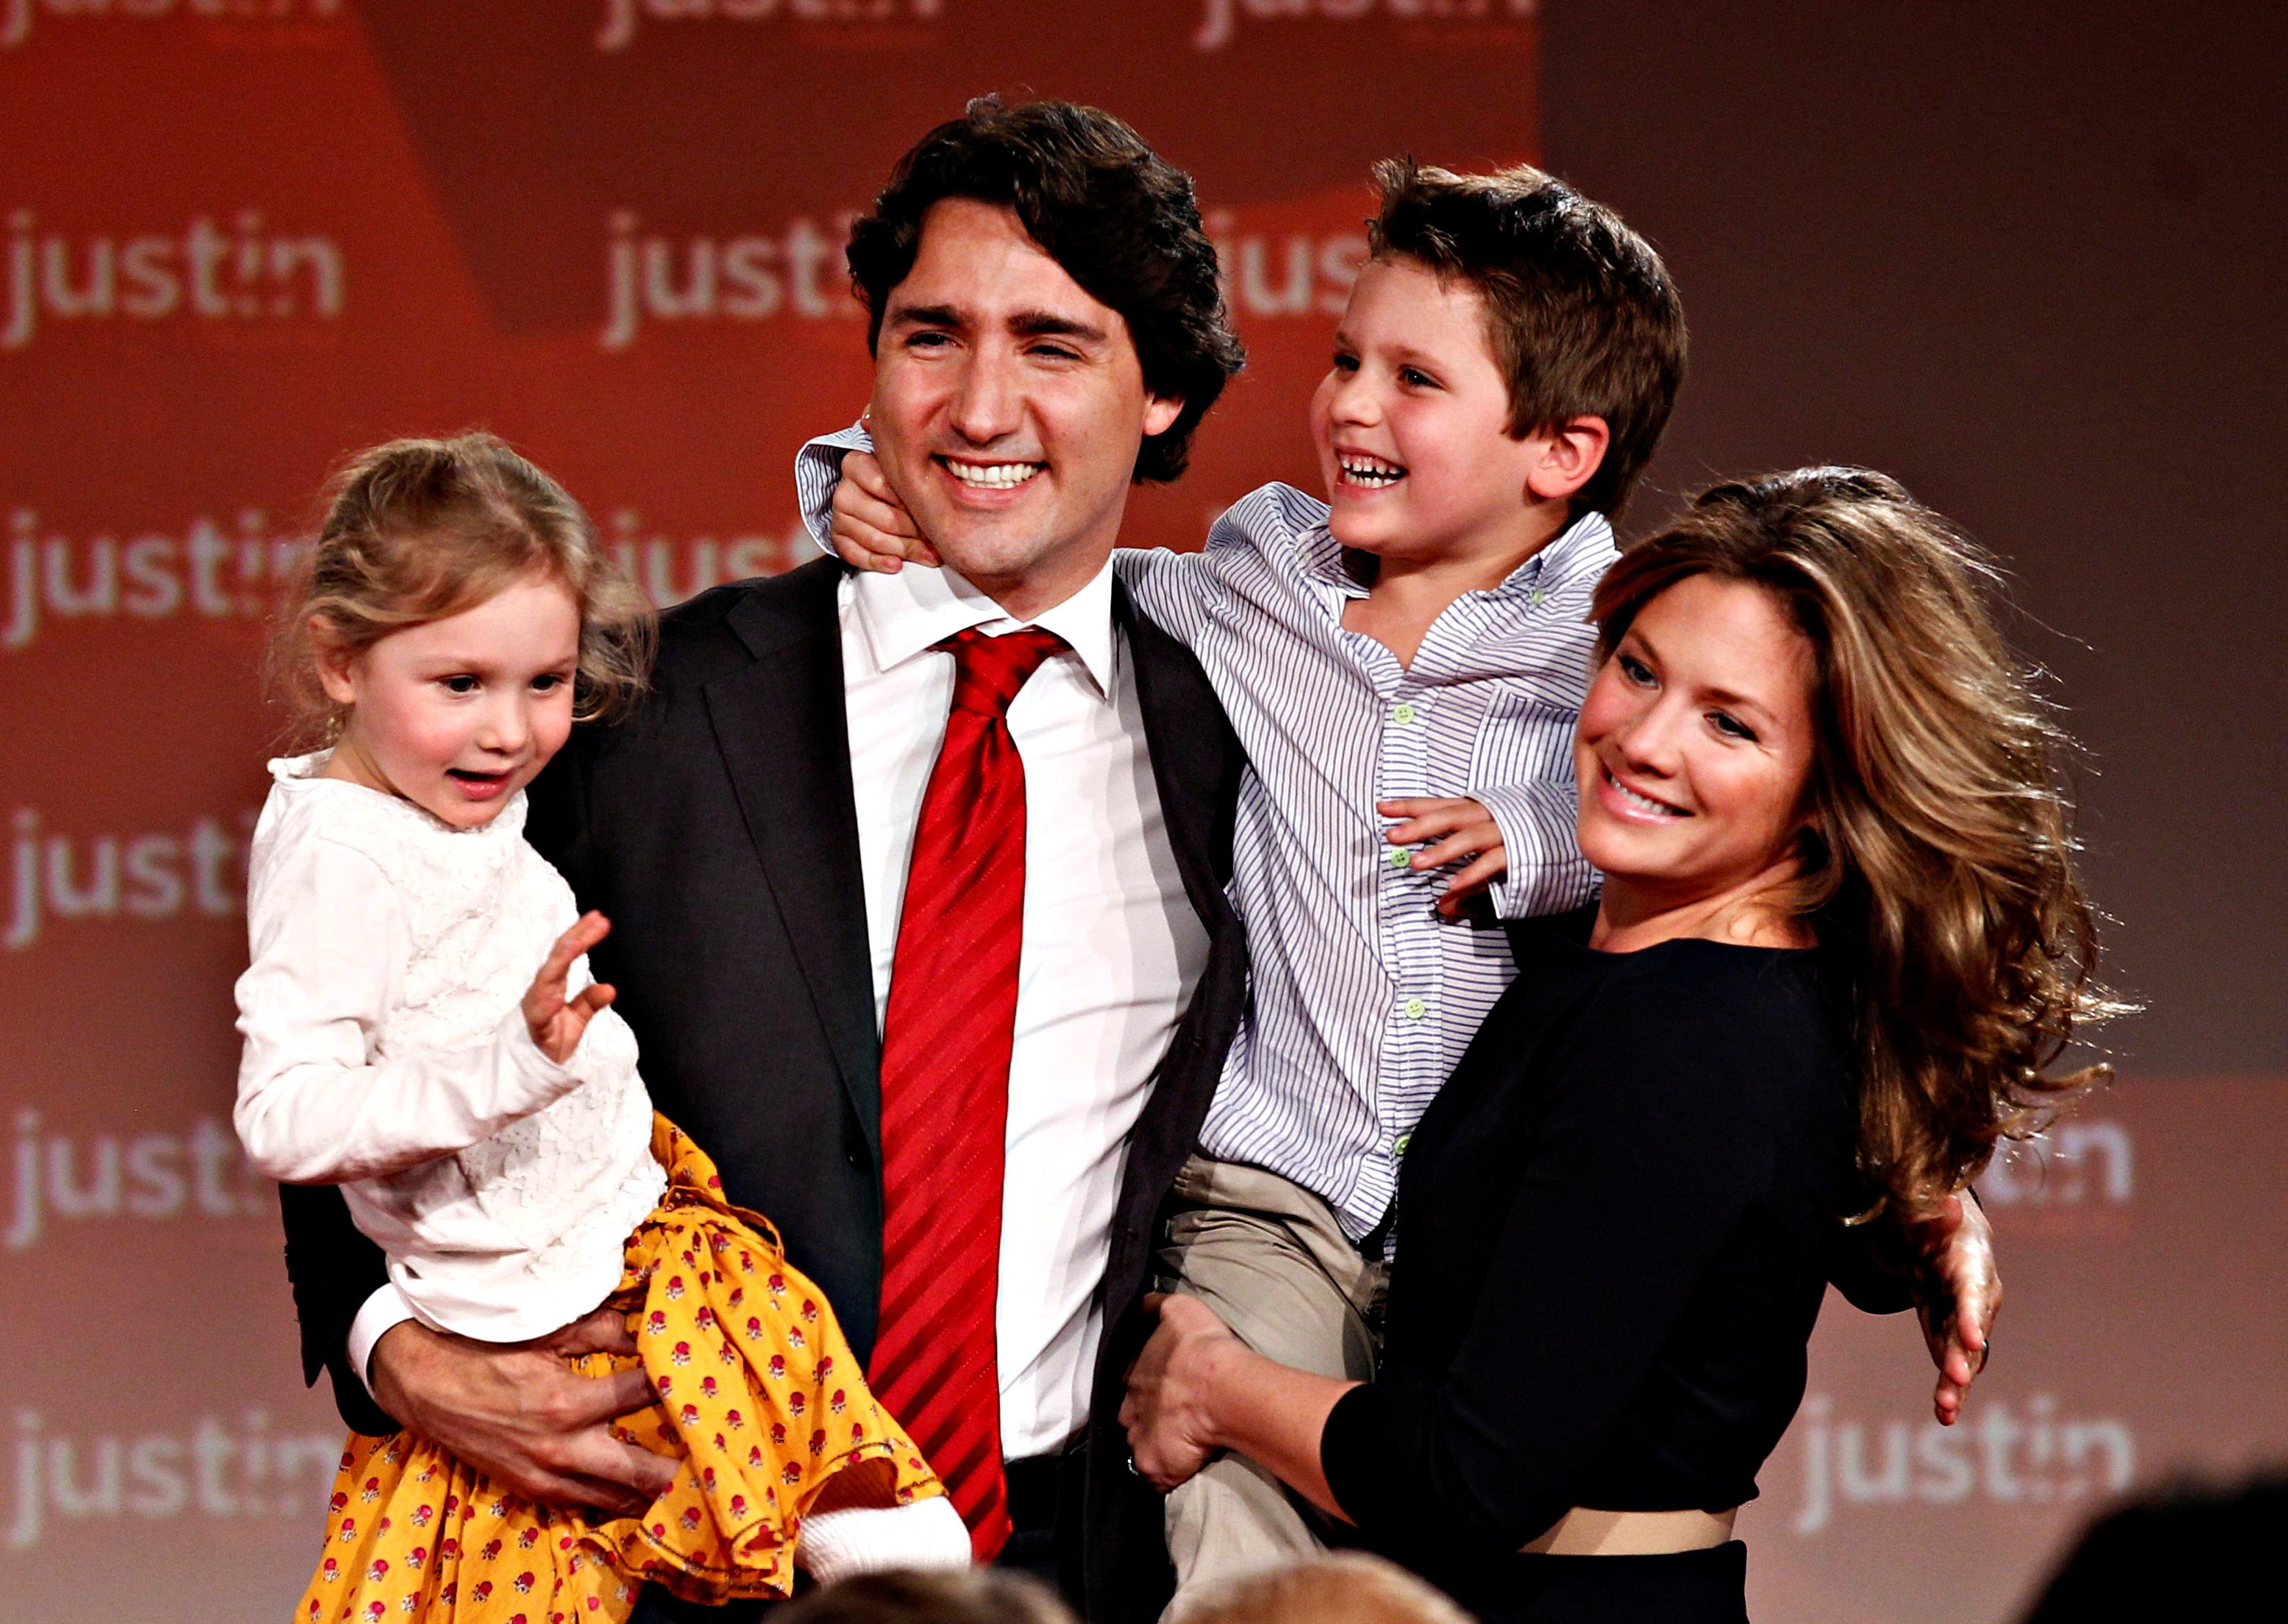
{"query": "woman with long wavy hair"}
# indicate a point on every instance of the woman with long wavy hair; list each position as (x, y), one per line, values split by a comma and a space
(1839, 948)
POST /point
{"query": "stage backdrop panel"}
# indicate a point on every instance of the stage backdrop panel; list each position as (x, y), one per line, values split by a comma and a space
(240, 238)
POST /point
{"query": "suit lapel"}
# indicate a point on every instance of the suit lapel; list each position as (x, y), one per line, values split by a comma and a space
(784, 736)
(1196, 757)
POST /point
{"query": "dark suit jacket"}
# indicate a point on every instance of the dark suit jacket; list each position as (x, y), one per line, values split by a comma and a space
(715, 830)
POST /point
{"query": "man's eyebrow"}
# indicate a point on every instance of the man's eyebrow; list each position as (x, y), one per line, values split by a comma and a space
(926, 315)
(1048, 324)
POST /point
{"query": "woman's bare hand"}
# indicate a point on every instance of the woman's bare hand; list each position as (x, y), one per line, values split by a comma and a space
(556, 1023)
(872, 529)
(1957, 1293)
(1460, 828)
(1168, 1411)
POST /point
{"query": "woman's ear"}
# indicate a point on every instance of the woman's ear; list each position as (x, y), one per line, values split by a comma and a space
(334, 661)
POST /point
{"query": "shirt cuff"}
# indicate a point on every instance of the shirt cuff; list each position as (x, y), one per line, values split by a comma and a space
(1547, 874)
(817, 471)
(383, 1312)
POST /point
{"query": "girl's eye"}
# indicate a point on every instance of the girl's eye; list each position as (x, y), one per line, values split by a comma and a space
(1731, 726)
(1635, 670)
(1345, 362)
(1414, 378)
(460, 685)
(547, 684)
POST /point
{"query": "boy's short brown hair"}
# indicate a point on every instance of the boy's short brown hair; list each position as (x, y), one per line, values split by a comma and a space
(1582, 315)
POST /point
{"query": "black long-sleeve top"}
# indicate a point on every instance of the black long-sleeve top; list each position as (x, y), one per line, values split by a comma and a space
(1614, 1227)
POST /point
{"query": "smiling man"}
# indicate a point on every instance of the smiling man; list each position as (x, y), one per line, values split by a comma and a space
(917, 883)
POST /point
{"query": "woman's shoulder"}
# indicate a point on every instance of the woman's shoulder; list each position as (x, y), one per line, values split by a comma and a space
(1755, 1026)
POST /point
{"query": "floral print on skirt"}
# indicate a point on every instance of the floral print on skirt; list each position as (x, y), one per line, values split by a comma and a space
(760, 1401)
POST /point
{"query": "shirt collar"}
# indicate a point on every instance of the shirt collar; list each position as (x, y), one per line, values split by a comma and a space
(1588, 538)
(913, 611)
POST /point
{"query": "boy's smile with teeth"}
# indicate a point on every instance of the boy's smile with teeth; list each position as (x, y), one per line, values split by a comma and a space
(1369, 471)
(990, 476)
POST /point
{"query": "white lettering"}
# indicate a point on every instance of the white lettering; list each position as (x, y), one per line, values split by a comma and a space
(250, 274)
(239, 1471)
(16, 15)
(2009, 1456)
(1218, 25)
(80, 878)
(201, 1173)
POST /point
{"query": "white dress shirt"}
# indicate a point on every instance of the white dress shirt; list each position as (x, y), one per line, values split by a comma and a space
(1112, 947)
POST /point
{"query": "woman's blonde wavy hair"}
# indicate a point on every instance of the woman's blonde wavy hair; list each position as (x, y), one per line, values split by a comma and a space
(1937, 866)
(417, 530)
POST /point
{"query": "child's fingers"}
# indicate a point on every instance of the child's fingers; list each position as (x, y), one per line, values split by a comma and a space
(1431, 825)
(1477, 876)
(594, 996)
(1466, 842)
(863, 470)
(887, 516)
(586, 932)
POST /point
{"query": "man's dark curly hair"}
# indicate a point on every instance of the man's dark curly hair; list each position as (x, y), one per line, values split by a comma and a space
(1121, 220)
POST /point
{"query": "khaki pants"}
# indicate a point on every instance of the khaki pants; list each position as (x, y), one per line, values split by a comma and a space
(1270, 1258)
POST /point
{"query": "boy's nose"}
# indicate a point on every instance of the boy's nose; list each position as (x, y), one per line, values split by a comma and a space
(1355, 403)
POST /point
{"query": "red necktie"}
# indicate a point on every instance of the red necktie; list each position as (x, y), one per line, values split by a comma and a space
(946, 1038)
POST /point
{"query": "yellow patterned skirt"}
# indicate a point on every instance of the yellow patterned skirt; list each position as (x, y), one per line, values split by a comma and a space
(761, 1402)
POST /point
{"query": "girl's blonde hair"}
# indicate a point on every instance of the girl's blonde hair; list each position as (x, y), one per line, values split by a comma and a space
(417, 530)
(1937, 870)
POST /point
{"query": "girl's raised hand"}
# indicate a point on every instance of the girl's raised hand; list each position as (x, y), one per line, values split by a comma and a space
(872, 529)
(554, 1022)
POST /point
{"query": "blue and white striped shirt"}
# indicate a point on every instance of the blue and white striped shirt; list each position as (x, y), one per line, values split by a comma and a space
(1362, 997)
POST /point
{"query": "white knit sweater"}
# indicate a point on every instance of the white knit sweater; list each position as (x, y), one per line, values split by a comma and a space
(385, 1052)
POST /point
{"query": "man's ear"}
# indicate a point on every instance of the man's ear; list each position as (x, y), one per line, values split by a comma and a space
(1571, 454)
(1160, 414)
(332, 660)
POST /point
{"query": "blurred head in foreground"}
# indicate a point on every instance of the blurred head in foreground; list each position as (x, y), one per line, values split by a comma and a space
(2188, 1550)
(979, 1596)
(1345, 1588)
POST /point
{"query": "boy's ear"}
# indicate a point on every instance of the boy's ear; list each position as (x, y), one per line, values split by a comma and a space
(1572, 451)
(333, 662)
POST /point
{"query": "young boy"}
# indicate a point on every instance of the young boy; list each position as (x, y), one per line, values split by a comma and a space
(1417, 647)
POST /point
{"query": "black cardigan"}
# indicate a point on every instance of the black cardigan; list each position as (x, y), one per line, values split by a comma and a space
(1614, 1227)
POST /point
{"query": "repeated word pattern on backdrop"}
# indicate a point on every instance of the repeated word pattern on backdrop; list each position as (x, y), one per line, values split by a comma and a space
(239, 238)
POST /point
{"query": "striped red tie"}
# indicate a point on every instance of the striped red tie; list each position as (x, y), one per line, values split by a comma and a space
(946, 1038)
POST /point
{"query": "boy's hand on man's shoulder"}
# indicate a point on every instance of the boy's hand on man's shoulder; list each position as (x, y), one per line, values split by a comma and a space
(872, 529)
(1457, 828)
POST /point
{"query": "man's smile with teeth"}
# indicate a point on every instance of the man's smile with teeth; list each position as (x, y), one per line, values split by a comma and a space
(1367, 470)
(1645, 802)
(991, 476)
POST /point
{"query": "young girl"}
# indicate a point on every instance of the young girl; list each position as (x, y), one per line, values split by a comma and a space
(486, 1122)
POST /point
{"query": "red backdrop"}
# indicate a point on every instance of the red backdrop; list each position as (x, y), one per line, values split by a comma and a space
(243, 237)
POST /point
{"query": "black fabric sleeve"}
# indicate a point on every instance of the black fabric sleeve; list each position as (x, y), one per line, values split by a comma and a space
(1868, 1263)
(333, 1270)
(1650, 1151)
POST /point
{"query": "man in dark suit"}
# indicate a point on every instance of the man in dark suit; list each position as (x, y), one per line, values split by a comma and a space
(917, 885)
